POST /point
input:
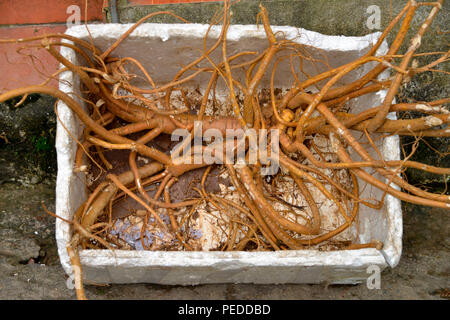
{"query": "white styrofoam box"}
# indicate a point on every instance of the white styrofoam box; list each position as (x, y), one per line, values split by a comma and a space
(162, 49)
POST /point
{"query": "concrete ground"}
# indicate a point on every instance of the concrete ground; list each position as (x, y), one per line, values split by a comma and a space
(30, 269)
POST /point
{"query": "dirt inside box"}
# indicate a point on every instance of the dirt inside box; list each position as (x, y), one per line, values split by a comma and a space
(211, 225)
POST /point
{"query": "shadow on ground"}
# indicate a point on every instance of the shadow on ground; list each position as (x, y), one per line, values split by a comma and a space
(30, 269)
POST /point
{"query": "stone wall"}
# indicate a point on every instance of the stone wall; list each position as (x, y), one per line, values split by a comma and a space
(334, 17)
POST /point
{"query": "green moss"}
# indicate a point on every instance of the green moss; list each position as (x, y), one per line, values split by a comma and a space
(41, 143)
(30, 155)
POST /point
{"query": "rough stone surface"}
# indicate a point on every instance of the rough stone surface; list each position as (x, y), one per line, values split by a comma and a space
(27, 153)
(26, 231)
(332, 17)
(17, 247)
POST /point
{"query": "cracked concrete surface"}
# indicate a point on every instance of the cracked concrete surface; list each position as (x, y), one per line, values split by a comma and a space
(30, 268)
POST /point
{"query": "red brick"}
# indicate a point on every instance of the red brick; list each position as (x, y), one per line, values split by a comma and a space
(45, 11)
(147, 2)
(16, 70)
(139, 2)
